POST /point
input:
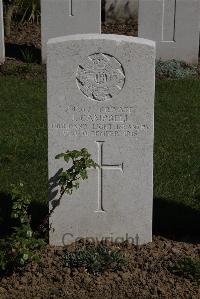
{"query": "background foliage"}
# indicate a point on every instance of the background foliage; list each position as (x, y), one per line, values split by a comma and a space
(22, 10)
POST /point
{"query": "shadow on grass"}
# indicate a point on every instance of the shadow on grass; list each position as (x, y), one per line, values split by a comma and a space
(5, 211)
(176, 221)
(37, 211)
(25, 53)
(170, 219)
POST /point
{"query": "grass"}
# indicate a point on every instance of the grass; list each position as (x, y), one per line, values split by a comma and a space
(23, 136)
(188, 268)
(23, 146)
(177, 142)
(177, 157)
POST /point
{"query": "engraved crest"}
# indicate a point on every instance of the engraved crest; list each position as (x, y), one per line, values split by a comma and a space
(100, 77)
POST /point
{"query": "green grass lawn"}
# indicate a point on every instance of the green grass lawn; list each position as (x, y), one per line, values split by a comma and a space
(177, 157)
(23, 147)
(177, 141)
(23, 136)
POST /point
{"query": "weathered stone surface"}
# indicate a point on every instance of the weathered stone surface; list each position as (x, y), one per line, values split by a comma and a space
(101, 97)
(2, 46)
(65, 17)
(174, 25)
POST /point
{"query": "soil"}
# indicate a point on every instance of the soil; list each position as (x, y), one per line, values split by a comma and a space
(25, 34)
(30, 35)
(27, 37)
(147, 276)
(124, 29)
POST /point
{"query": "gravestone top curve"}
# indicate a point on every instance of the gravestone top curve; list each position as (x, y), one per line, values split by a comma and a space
(93, 36)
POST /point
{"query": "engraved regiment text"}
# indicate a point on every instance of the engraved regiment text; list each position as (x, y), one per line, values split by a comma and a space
(104, 121)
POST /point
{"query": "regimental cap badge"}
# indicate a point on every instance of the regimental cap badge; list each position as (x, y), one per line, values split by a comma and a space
(100, 77)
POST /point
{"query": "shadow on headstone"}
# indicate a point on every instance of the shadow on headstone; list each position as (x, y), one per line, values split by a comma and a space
(24, 53)
(53, 189)
(176, 221)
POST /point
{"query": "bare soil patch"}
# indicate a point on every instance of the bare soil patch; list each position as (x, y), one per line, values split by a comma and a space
(27, 37)
(147, 276)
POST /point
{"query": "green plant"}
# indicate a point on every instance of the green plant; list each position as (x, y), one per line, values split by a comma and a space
(27, 56)
(175, 69)
(96, 259)
(29, 10)
(188, 267)
(70, 178)
(20, 247)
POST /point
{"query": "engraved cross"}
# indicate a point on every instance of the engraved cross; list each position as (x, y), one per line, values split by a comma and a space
(168, 20)
(101, 168)
(71, 8)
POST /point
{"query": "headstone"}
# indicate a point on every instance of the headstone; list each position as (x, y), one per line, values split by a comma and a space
(174, 25)
(101, 97)
(2, 46)
(66, 17)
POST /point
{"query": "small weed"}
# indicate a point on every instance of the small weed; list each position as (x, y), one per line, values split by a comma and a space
(27, 56)
(69, 180)
(96, 259)
(188, 267)
(20, 247)
(174, 69)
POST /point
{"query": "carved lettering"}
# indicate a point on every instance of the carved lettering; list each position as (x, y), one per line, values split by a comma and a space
(117, 121)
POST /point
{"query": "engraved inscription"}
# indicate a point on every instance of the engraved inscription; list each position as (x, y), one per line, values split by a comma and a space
(101, 168)
(104, 121)
(100, 77)
(71, 8)
(168, 20)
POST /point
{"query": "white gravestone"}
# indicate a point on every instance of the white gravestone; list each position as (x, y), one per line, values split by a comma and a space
(174, 25)
(2, 46)
(66, 17)
(101, 97)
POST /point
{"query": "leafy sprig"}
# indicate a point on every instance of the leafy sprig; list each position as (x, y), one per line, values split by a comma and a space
(81, 161)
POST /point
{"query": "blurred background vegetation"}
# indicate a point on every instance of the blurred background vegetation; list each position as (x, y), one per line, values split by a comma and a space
(113, 12)
(21, 11)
